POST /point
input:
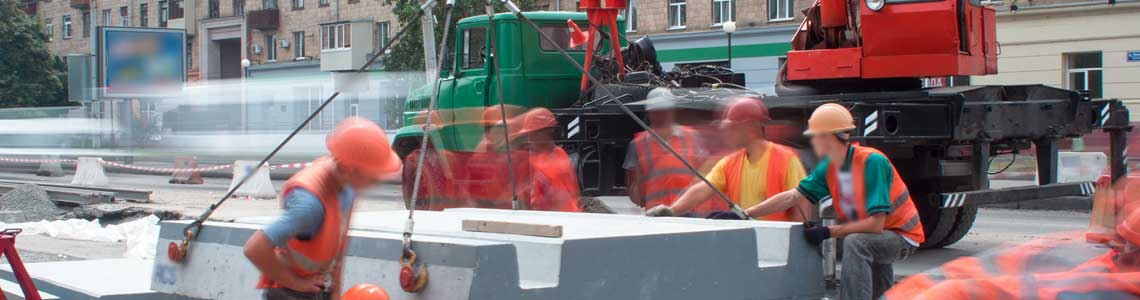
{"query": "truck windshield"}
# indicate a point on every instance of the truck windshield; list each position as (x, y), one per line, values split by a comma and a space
(474, 48)
(561, 36)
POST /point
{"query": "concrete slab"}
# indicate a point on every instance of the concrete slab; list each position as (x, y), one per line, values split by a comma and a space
(598, 257)
(12, 291)
(103, 279)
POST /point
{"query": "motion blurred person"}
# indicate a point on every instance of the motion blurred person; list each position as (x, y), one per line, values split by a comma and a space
(877, 217)
(553, 184)
(655, 176)
(490, 185)
(299, 255)
(759, 169)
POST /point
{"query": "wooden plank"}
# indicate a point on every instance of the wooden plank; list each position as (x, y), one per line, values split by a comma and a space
(539, 230)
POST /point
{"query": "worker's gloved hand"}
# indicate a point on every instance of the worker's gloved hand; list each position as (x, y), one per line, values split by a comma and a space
(817, 234)
(811, 224)
(724, 215)
(659, 211)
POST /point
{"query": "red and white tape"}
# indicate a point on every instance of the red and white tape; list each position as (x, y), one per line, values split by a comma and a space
(36, 161)
(149, 169)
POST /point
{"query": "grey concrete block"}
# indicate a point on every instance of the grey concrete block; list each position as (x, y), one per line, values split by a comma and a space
(102, 279)
(598, 257)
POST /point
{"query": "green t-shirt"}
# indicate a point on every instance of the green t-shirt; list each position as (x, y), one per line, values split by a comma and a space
(877, 178)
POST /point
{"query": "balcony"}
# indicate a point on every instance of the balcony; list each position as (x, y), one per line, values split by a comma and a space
(265, 19)
(80, 4)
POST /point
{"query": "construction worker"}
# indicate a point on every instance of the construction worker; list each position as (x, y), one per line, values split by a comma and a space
(758, 170)
(487, 169)
(1114, 275)
(655, 176)
(878, 220)
(299, 254)
(553, 184)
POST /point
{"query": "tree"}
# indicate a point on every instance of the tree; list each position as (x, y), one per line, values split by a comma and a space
(29, 74)
(407, 53)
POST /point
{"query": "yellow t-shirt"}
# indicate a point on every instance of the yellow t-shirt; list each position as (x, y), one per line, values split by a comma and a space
(754, 188)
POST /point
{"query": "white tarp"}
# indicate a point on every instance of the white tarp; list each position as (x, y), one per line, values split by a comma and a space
(141, 236)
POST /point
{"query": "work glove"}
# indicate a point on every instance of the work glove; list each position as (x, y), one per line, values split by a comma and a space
(816, 234)
(659, 211)
(724, 215)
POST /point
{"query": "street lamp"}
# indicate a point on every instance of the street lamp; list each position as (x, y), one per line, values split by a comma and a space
(245, 67)
(729, 28)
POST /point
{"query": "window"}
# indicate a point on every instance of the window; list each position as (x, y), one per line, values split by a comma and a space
(86, 24)
(677, 14)
(176, 9)
(214, 8)
(268, 4)
(630, 14)
(49, 30)
(780, 10)
(299, 45)
(270, 48)
(723, 11)
(239, 7)
(163, 13)
(298, 4)
(382, 31)
(143, 15)
(66, 27)
(323, 3)
(1085, 73)
(474, 48)
(336, 36)
(561, 36)
(106, 21)
(124, 19)
(354, 110)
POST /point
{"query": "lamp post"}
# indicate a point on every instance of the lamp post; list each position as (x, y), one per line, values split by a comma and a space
(245, 63)
(245, 68)
(729, 28)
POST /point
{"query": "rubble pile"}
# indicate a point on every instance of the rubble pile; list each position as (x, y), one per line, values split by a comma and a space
(27, 203)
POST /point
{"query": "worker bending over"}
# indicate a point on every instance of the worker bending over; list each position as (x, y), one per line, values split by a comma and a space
(655, 176)
(758, 170)
(299, 255)
(553, 184)
(878, 220)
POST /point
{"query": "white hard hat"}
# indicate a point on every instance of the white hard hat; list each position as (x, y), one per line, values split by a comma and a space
(659, 99)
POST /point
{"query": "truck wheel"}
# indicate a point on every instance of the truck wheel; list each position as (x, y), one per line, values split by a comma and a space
(937, 224)
(962, 225)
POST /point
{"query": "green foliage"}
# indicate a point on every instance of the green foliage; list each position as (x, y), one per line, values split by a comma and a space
(29, 74)
(407, 53)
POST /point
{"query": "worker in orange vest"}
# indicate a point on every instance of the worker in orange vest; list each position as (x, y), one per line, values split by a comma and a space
(654, 176)
(487, 168)
(553, 183)
(300, 254)
(757, 171)
(877, 218)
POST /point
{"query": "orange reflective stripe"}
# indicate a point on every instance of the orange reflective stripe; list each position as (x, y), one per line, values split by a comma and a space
(775, 177)
(903, 217)
(663, 176)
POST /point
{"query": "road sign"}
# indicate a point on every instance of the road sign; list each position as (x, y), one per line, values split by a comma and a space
(1134, 55)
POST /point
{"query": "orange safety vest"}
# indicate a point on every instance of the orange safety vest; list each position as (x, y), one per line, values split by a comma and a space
(903, 217)
(553, 184)
(776, 179)
(319, 254)
(1045, 286)
(664, 177)
(1060, 253)
(490, 186)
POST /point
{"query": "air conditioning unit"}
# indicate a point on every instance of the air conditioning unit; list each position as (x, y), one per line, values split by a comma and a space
(283, 44)
(256, 49)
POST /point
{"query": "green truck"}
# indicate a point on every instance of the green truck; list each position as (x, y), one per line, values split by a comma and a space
(940, 139)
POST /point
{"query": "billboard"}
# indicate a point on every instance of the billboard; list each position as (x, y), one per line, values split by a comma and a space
(137, 62)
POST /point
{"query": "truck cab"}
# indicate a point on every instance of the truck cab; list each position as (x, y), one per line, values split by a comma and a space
(533, 74)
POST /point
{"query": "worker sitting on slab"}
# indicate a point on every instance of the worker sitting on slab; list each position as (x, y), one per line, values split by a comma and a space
(655, 176)
(553, 184)
(878, 220)
(299, 255)
(759, 170)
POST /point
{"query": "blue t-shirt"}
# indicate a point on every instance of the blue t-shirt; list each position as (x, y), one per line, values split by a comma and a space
(304, 215)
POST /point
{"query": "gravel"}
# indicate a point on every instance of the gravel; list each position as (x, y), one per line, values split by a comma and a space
(27, 203)
(594, 205)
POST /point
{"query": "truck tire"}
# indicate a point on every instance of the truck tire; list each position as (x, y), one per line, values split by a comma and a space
(962, 225)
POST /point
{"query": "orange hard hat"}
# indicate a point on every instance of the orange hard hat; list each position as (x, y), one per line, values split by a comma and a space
(830, 118)
(358, 143)
(747, 109)
(492, 115)
(533, 120)
(365, 291)
(1129, 229)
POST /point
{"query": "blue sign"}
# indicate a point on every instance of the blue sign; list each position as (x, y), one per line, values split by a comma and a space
(141, 62)
(1134, 55)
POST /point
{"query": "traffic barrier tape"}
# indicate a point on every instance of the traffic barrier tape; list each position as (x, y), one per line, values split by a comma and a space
(149, 169)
